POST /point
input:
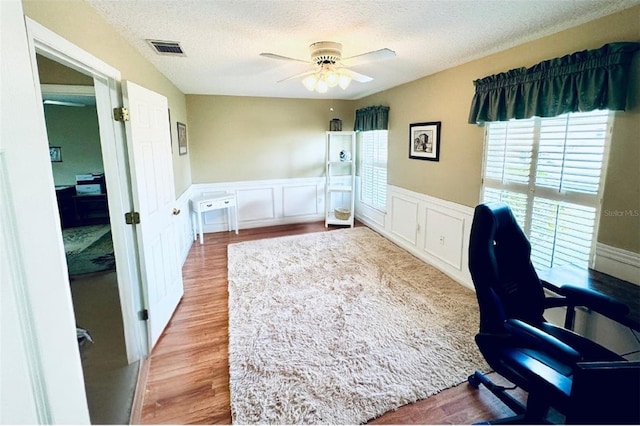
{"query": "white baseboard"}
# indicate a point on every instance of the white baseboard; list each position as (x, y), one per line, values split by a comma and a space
(617, 262)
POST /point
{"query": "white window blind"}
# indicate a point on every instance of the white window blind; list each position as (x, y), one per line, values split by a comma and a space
(549, 171)
(373, 168)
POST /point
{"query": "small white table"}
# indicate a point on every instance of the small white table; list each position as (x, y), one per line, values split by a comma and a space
(212, 201)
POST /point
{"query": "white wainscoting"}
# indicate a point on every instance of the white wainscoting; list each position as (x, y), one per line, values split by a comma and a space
(374, 218)
(620, 263)
(184, 228)
(266, 202)
(434, 230)
(403, 222)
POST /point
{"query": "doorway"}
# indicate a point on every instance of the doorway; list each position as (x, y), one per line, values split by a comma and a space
(71, 117)
(132, 200)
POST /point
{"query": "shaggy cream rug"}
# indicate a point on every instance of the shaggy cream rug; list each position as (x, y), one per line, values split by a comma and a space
(340, 327)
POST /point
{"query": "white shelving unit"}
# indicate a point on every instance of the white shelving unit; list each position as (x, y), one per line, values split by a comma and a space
(340, 177)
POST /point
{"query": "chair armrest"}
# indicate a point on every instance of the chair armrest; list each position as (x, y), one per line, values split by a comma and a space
(555, 301)
(580, 296)
(542, 341)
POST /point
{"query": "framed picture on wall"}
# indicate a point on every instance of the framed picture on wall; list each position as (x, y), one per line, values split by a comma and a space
(424, 141)
(55, 152)
(182, 138)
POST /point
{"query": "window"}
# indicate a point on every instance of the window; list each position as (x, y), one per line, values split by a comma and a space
(549, 171)
(373, 168)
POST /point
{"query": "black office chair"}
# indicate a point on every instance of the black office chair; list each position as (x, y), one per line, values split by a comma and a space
(582, 380)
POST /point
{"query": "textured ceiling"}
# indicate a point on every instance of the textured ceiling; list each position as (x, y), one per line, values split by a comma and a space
(222, 39)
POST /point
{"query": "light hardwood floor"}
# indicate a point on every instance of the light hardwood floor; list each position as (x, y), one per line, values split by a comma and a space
(188, 377)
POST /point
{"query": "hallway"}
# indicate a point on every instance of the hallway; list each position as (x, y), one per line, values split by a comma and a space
(109, 381)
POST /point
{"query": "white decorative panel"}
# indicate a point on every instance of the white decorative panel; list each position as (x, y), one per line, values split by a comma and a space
(184, 226)
(215, 217)
(404, 219)
(434, 230)
(299, 200)
(444, 237)
(148, 177)
(159, 288)
(256, 204)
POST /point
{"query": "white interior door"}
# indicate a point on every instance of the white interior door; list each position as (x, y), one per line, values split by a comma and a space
(149, 140)
(40, 371)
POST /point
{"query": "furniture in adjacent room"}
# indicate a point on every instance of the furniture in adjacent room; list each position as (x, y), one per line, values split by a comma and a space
(579, 378)
(340, 178)
(91, 209)
(66, 207)
(209, 202)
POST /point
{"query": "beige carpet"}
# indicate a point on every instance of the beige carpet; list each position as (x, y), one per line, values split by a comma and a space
(340, 327)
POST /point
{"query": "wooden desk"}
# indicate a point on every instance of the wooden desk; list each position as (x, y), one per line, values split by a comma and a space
(624, 291)
(204, 203)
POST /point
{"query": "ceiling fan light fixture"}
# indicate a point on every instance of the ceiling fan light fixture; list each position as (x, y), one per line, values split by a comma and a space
(343, 81)
(330, 69)
(331, 77)
(310, 82)
(322, 86)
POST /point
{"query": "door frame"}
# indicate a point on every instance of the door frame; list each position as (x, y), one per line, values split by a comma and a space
(107, 85)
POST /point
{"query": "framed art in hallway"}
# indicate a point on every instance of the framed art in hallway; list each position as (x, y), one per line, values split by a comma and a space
(182, 138)
(55, 152)
(424, 141)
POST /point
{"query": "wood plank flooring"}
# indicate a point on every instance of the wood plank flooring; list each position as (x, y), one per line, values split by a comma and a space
(188, 378)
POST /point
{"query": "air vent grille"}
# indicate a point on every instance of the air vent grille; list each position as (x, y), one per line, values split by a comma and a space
(167, 47)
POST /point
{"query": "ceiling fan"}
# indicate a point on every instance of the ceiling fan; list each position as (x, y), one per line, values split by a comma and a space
(330, 68)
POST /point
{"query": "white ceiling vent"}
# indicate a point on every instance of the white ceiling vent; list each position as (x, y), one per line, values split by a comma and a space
(167, 47)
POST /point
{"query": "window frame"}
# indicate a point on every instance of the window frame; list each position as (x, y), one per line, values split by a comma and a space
(360, 142)
(532, 191)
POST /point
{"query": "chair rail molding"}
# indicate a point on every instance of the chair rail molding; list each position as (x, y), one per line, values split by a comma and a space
(617, 262)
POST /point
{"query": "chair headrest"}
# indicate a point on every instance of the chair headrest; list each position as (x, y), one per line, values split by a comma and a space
(500, 224)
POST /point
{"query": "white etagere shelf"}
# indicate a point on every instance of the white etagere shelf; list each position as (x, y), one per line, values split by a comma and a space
(340, 177)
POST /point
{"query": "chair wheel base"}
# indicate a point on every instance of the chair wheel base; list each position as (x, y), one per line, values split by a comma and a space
(478, 378)
(474, 382)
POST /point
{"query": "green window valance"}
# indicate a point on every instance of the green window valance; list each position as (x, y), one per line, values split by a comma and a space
(582, 81)
(372, 118)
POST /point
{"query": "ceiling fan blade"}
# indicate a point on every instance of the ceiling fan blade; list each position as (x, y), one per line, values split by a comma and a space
(62, 103)
(283, 58)
(356, 76)
(375, 55)
(302, 74)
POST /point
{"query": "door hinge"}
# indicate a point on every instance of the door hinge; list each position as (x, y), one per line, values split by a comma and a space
(121, 114)
(132, 218)
(144, 314)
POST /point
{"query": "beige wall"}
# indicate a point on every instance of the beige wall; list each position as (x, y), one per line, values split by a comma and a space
(80, 24)
(241, 138)
(52, 72)
(75, 131)
(234, 138)
(446, 97)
